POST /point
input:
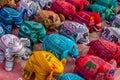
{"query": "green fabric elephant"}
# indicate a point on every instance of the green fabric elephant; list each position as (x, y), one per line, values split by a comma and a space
(90, 65)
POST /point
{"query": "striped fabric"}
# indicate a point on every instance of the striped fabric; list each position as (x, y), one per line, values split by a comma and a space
(9, 16)
(44, 65)
(60, 46)
(79, 4)
(64, 8)
(91, 19)
(94, 68)
(32, 30)
(69, 76)
(103, 48)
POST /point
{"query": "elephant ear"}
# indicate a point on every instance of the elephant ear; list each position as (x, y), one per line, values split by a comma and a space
(25, 41)
(47, 22)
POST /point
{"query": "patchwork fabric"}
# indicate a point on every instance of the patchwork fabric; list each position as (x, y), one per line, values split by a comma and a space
(44, 4)
(79, 4)
(11, 47)
(116, 21)
(28, 8)
(69, 76)
(60, 46)
(103, 48)
(111, 4)
(111, 34)
(92, 68)
(32, 30)
(62, 7)
(105, 13)
(9, 16)
(75, 31)
(91, 19)
(44, 65)
(48, 18)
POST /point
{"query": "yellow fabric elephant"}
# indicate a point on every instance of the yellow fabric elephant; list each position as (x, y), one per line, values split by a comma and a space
(44, 64)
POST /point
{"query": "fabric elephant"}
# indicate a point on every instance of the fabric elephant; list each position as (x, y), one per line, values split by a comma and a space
(92, 67)
(12, 46)
(48, 19)
(60, 46)
(106, 50)
(111, 34)
(44, 64)
(105, 12)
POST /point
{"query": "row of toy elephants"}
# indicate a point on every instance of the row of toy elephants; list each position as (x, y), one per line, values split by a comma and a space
(73, 20)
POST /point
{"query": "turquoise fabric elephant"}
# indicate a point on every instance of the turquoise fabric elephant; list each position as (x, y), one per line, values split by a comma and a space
(109, 8)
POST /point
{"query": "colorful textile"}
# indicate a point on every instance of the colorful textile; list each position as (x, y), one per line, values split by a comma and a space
(28, 8)
(44, 4)
(69, 76)
(32, 30)
(44, 65)
(10, 3)
(91, 19)
(79, 4)
(111, 34)
(111, 4)
(48, 18)
(116, 21)
(103, 48)
(62, 7)
(2, 32)
(75, 31)
(11, 47)
(105, 13)
(60, 46)
(94, 68)
(9, 16)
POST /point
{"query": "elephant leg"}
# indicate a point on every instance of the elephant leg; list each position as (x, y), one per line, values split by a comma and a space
(28, 71)
(2, 57)
(9, 64)
(36, 78)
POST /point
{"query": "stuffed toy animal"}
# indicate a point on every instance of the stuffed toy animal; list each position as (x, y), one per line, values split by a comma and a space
(60, 46)
(111, 34)
(10, 3)
(111, 4)
(28, 8)
(105, 12)
(9, 16)
(69, 76)
(79, 4)
(44, 64)
(48, 18)
(116, 21)
(105, 49)
(91, 19)
(33, 31)
(12, 46)
(75, 31)
(64, 8)
(44, 4)
(94, 68)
